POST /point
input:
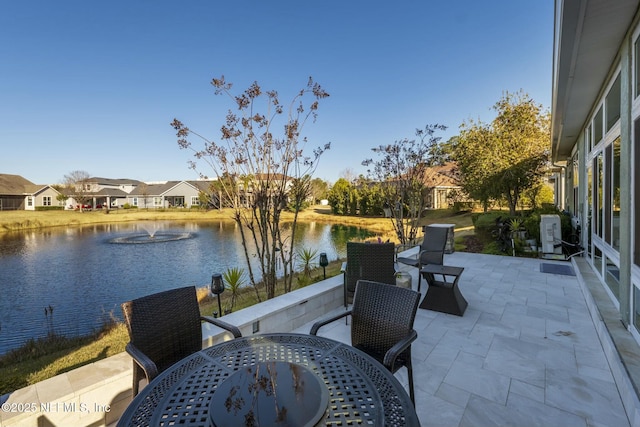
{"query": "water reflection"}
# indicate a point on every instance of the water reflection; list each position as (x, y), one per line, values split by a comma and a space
(269, 393)
(84, 278)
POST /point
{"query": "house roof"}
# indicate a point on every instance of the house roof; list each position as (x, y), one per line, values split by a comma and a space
(112, 181)
(159, 189)
(446, 175)
(111, 192)
(201, 185)
(587, 37)
(15, 185)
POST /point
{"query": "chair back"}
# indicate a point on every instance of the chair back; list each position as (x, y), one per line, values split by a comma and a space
(369, 261)
(433, 245)
(165, 326)
(382, 315)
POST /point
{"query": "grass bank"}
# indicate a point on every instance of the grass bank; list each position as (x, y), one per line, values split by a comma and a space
(42, 359)
(30, 220)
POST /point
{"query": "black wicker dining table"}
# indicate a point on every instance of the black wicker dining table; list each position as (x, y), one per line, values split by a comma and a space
(241, 381)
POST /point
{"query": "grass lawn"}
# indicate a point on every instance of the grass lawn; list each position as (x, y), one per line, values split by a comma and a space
(39, 360)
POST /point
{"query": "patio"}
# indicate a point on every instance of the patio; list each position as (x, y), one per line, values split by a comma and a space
(525, 353)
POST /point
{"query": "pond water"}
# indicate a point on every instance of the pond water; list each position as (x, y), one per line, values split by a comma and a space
(71, 280)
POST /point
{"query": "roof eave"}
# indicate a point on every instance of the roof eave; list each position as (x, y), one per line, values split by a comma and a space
(587, 38)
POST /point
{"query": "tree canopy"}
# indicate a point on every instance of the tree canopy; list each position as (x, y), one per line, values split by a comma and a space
(261, 167)
(508, 156)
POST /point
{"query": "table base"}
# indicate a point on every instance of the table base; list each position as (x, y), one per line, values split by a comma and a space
(445, 299)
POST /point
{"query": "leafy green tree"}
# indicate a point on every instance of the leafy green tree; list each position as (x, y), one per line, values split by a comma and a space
(537, 195)
(62, 196)
(339, 197)
(249, 153)
(441, 153)
(507, 157)
(370, 197)
(354, 201)
(474, 160)
(400, 169)
(318, 189)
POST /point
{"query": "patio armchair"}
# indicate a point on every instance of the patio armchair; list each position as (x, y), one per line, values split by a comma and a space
(431, 250)
(164, 328)
(367, 261)
(382, 318)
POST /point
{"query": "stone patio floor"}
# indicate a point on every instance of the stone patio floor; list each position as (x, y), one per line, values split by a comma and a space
(527, 352)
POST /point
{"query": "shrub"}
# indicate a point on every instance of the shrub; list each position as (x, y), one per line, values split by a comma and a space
(485, 224)
(49, 208)
(462, 206)
(531, 223)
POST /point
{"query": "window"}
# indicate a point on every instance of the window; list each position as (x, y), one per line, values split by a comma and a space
(575, 181)
(612, 103)
(157, 201)
(597, 127)
(590, 211)
(134, 201)
(46, 200)
(598, 196)
(29, 201)
(615, 205)
(606, 184)
(636, 307)
(195, 200)
(636, 188)
(597, 260)
(636, 66)
(612, 277)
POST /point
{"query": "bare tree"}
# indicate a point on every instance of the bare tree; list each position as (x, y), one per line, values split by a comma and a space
(400, 170)
(143, 190)
(249, 156)
(79, 187)
(349, 174)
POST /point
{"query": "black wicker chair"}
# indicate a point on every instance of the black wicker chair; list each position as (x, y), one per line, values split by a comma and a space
(164, 328)
(368, 261)
(382, 319)
(431, 250)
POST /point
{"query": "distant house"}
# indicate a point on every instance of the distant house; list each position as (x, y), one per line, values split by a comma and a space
(168, 194)
(18, 193)
(272, 183)
(102, 192)
(440, 181)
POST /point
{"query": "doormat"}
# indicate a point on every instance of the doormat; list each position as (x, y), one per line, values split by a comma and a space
(565, 270)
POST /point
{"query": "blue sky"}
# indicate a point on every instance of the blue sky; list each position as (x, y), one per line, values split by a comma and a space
(94, 85)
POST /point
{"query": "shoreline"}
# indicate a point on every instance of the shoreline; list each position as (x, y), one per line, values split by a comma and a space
(20, 221)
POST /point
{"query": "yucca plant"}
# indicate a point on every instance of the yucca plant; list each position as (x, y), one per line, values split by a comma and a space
(305, 258)
(234, 279)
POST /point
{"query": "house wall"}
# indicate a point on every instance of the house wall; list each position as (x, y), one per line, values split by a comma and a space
(48, 192)
(185, 191)
(438, 197)
(599, 187)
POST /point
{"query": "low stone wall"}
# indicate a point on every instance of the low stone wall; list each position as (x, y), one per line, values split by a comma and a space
(98, 393)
